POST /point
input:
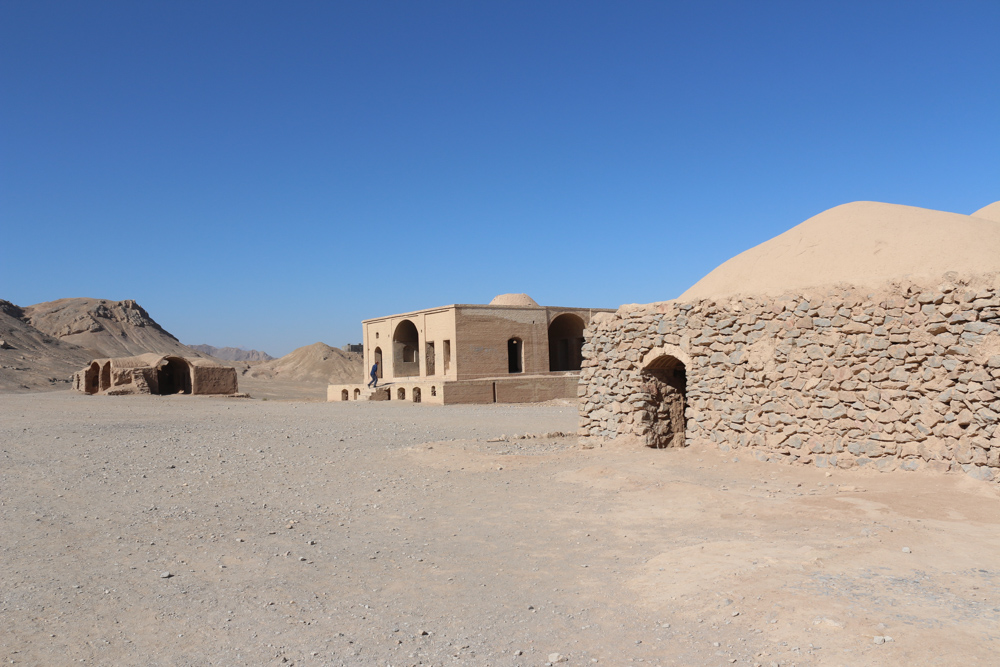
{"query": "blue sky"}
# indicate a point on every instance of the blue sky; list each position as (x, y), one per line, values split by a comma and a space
(269, 174)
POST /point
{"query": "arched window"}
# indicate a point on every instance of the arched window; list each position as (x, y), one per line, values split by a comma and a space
(416, 394)
(401, 394)
(515, 356)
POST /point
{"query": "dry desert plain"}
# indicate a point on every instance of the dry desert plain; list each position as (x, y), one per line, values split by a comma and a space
(147, 530)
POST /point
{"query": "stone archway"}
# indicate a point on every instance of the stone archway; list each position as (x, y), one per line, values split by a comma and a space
(91, 378)
(173, 376)
(515, 356)
(405, 350)
(566, 342)
(664, 386)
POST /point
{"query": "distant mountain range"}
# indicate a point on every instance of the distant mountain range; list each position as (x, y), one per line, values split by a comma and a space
(232, 353)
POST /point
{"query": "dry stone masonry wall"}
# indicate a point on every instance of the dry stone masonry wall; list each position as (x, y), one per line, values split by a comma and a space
(903, 379)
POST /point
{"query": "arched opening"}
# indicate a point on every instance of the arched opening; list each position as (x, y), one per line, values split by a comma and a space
(92, 378)
(664, 384)
(416, 394)
(357, 394)
(405, 350)
(515, 356)
(434, 390)
(401, 394)
(378, 360)
(174, 377)
(566, 343)
(345, 395)
(106, 376)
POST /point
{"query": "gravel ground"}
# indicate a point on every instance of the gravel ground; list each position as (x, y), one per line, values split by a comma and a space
(208, 531)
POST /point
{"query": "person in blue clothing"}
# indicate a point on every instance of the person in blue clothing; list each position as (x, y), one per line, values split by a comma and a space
(374, 374)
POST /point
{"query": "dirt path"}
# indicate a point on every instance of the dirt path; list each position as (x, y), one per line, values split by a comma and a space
(386, 534)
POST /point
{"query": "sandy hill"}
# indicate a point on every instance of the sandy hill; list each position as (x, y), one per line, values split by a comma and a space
(232, 353)
(864, 244)
(991, 212)
(109, 328)
(317, 363)
(31, 360)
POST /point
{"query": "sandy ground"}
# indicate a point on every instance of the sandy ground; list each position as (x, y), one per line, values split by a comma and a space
(314, 533)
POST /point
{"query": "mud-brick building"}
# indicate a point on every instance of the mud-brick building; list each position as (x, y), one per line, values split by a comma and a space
(511, 350)
(155, 374)
(867, 336)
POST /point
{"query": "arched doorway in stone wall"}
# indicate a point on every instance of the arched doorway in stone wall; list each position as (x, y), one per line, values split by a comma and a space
(515, 356)
(566, 343)
(378, 360)
(91, 378)
(106, 376)
(664, 382)
(405, 350)
(174, 377)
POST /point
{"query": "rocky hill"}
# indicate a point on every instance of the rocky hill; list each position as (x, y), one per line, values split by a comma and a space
(232, 353)
(31, 360)
(109, 328)
(43, 345)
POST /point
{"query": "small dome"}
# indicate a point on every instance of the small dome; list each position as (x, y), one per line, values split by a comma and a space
(513, 300)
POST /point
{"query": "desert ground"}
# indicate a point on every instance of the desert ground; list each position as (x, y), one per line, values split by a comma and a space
(178, 530)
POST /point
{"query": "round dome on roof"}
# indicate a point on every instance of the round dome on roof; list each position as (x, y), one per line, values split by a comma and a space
(513, 300)
(861, 244)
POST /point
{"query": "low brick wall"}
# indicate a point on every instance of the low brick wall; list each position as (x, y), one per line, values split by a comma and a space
(905, 379)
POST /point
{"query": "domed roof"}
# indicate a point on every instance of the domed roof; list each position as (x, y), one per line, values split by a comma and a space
(991, 212)
(513, 300)
(865, 244)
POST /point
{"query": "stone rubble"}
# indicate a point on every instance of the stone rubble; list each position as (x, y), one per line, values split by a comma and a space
(905, 379)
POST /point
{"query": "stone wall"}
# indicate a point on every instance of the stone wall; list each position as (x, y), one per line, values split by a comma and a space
(906, 378)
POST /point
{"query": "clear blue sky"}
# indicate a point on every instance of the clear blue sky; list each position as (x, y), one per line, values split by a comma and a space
(269, 174)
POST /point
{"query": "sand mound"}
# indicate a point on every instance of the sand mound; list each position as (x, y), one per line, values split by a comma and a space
(317, 363)
(513, 300)
(108, 328)
(991, 212)
(864, 244)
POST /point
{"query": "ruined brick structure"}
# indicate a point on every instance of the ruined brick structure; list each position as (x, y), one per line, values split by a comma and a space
(155, 374)
(905, 377)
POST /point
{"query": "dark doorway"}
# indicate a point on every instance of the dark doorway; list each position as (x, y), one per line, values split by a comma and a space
(174, 377)
(91, 379)
(378, 360)
(566, 343)
(664, 384)
(515, 356)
